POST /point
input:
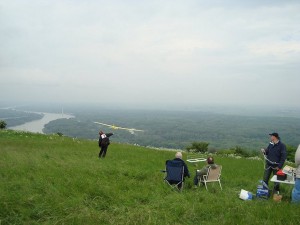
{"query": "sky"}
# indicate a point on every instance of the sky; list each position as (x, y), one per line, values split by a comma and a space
(151, 52)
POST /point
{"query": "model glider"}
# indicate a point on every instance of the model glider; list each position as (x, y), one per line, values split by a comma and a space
(131, 130)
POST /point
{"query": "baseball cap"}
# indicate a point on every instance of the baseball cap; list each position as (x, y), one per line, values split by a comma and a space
(275, 135)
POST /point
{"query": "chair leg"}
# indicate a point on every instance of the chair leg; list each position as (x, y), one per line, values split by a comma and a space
(176, 186)
(220, 185)
(205, 185)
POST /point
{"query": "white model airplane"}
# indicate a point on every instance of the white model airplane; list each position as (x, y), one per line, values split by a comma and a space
(131, 130)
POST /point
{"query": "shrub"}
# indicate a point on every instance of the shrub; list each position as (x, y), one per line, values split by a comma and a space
(226, 152)
(200, 147)
(290, 151)
(241, 152)
(212, 150)
(2, 124)
(60, 134)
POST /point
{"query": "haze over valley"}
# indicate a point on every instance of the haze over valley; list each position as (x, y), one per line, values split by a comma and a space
(225, 72)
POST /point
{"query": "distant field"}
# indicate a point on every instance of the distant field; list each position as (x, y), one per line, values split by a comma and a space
(177, 129)
(47, 179)
(170, 129)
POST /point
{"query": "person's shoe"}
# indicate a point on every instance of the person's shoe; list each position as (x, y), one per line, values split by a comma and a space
(195, 186)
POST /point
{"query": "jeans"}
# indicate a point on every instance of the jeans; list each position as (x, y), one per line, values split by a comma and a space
(296, 191)
(102, 152)
(196, 180)
(199, 174)
(267, 175)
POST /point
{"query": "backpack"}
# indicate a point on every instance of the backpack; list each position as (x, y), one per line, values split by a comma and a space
(104, 141)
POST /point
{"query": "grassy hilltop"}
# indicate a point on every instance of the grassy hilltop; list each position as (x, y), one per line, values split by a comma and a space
(47, 179)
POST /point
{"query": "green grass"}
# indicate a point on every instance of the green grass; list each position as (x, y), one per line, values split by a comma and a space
(48, 179)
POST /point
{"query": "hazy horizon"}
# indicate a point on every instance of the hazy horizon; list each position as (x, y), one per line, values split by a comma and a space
(229, 109)
(151, 53)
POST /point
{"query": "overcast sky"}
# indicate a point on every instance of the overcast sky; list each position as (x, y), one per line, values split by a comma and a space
(151, 52)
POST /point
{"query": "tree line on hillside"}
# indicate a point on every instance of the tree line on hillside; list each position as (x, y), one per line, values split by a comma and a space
(202, 147)
(14, 117)
(177, 130)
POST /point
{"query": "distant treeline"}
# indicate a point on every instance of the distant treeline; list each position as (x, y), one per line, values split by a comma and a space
(169, 129)
(175, 129)
(14, 117)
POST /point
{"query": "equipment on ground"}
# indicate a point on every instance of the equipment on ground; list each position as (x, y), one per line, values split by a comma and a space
(245, 195)
(195, 160)
(262, 191)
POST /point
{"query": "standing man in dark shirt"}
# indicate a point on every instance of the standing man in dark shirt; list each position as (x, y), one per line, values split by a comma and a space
(275, 156)
(103, 143)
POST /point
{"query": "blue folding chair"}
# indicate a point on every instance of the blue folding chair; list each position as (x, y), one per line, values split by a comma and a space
(174, 174)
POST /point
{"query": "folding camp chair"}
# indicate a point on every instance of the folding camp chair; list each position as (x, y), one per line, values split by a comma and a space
(174, 174)
(213, 175)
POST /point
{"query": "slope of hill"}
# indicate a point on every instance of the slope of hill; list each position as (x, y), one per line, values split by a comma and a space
(47, 179)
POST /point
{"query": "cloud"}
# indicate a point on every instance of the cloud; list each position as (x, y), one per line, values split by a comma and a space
(150, 51)
(285, 51)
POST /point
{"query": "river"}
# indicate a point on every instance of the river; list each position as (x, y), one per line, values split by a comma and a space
(37, 126)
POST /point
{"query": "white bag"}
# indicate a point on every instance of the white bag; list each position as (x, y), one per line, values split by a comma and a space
(245, 195)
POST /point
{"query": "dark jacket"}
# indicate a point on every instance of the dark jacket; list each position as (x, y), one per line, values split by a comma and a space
(100, 138)
(186, 170)
(276, 153)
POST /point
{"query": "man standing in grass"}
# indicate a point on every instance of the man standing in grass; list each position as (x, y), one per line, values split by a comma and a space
(103, 143)
(275, 156)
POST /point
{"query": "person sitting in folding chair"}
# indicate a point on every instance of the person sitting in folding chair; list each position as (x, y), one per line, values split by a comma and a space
(200, 173)
(176, 170)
